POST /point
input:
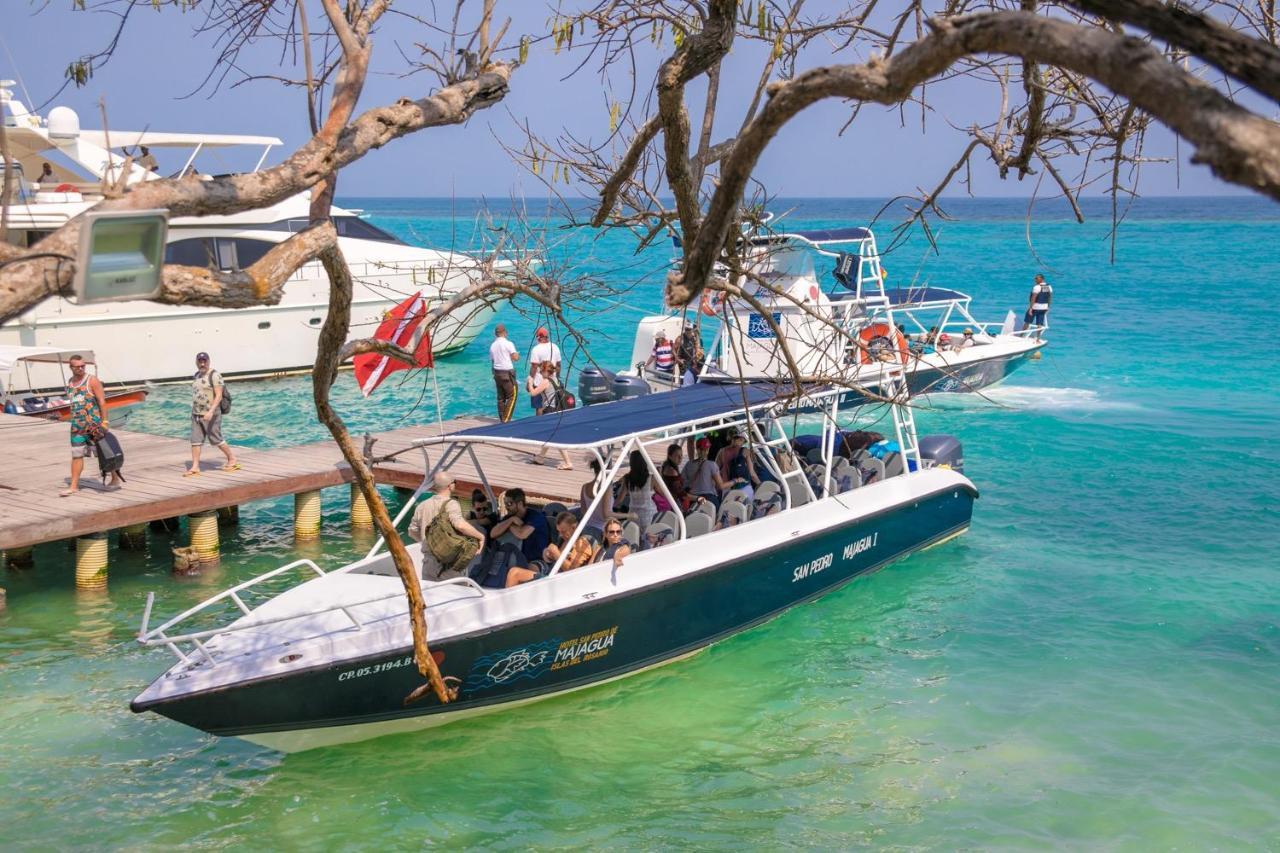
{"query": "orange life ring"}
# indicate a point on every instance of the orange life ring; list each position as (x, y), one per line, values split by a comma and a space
(875, 340)
(711, 302)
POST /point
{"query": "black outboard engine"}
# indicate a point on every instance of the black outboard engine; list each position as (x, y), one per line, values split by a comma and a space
(624, 387)
(595, 385)
(945, 450)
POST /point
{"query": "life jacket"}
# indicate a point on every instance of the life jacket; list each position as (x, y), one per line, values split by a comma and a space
(1041, 298)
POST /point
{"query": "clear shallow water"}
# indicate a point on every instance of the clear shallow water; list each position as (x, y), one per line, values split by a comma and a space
(1097, 663)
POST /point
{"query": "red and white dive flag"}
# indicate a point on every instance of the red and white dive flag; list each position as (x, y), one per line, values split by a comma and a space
(398, 327)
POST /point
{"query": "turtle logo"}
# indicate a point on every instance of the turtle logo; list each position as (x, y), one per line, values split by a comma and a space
(516, 663)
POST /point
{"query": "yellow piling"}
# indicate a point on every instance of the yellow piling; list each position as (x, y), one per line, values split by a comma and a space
(361, 514)
(134, 537)
(228, 516)
(204, 533)
(91, 561)
(20, 558)
(306, 515)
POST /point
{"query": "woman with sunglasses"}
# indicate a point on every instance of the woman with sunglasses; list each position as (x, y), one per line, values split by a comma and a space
(614, 547)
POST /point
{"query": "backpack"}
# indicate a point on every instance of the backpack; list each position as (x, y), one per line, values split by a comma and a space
(452, 549)
(224, 404)
(110, 455)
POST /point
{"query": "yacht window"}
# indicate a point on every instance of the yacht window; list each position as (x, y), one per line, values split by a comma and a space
(315, 321)
(354, 226)
(226, 254)
(194, 252)
(265, 324)
(249, 252)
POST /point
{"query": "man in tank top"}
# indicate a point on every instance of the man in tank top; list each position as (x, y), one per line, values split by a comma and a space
(88, 421)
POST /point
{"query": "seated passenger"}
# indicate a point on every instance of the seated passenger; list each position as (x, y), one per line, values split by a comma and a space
(581, 552)
(966, 341)
(481, 513)
(674, 481)
(702, 475)
(736, 464)
(527, 524)
(445, 535)
(615, 547)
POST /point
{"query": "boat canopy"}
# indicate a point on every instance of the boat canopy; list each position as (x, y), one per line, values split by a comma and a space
(606, 423)
(820, 236)
(900, 297)
(10, 356)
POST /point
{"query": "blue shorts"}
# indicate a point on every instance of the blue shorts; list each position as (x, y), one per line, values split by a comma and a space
(535, 400)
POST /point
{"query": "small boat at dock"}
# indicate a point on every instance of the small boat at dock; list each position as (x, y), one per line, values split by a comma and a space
(33, 382)
(329, 659)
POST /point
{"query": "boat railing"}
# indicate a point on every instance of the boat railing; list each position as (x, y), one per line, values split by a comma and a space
(161, 636)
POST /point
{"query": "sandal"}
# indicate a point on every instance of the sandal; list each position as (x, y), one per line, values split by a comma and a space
(191, 472)
(66, 493)
(234, 466)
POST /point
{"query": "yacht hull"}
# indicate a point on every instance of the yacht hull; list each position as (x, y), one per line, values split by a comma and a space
(583, 645)
(151, 346)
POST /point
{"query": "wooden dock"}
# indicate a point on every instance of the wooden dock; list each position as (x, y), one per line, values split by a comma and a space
(37, 467)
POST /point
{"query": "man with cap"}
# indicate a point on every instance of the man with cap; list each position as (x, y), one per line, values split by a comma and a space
(207, 389)
(503, 356)
(446, 554)
(663, 357)
(544, 362)
(966, 341)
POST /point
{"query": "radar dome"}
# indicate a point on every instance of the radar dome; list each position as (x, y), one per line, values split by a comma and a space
(63, 123)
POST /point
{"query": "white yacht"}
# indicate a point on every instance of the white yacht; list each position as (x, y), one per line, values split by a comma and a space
(147, 341)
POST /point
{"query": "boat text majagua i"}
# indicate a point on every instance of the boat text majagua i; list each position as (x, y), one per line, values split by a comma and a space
(147, 341)
(843, 333)
(330, 660)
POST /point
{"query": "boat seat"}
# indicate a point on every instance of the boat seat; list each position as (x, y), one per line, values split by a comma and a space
(767, 490)
(799, 497)
(667, 517)
(894, 464)
(732, 513)
(813, 455)
(872, 470)
(735, 495)
(553, 511)
(766, 504)
(697, 524)
(657, 535)
(631, 533)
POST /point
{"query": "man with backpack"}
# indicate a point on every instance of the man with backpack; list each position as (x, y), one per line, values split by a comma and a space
(210, 400)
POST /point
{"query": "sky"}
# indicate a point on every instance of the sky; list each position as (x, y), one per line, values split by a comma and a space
(160, 62)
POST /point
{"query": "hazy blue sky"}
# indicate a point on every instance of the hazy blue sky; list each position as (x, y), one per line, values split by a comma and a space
(159, 61)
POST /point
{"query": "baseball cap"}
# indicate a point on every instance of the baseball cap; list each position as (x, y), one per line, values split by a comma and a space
(202, 356)
(542, 332)
(704, 442)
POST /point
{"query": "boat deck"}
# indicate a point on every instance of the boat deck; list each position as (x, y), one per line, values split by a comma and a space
(38, 468)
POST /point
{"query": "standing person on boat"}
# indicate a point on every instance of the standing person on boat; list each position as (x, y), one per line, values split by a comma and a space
(702, 475)
(639, 489)
(46, 175)
(544, 362)
(604, 512)
(88, 420)
(445, 535)
(1038, 304)
(207, 394)
(663, 357)
(689, 354)
(147, 160)
(503, 356)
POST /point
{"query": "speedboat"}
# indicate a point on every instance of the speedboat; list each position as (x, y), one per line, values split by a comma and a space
(33, 382)
(843, 332)
(146, 341)
(329, 660)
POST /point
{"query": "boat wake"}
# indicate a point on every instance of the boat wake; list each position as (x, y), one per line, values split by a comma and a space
(1030, 398)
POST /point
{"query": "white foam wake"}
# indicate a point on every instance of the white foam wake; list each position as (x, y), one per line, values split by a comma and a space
(1033, 398)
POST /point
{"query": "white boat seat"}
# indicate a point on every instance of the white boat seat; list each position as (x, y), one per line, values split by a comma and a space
(766, 504)
(735, 495)
(894, 464)
(697, 524)
(767, 489)
(631, 533)
(668, 518)
(872, 470)
(657, 535)
(732, 513)
(814, 456)
(799, 497)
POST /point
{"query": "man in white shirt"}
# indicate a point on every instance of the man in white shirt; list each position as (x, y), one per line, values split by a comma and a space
(503, 356)
(1041, 299)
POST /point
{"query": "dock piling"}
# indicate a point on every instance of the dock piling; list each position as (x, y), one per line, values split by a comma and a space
(134, 537)
(91, 561)
(306, 515)
(20, 558)
(361, 515)
(204, 533)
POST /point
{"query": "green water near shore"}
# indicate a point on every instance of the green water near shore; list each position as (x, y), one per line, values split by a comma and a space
(1096, 664)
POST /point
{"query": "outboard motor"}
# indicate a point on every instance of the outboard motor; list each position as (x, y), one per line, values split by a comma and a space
(624, 387)
(595, 385)
(945, 450)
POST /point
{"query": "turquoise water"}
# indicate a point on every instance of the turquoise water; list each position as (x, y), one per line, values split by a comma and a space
(1097, 663)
